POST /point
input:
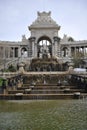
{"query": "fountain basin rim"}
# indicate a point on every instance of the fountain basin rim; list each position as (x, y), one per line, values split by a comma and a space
(46, 73)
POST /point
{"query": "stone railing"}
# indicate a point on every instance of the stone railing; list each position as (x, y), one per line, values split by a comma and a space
(9, 74)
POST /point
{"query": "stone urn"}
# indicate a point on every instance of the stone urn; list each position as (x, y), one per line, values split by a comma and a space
(70, 67)
(21, 67)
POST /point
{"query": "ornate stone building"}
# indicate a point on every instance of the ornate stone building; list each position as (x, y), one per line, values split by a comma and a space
(44, 40)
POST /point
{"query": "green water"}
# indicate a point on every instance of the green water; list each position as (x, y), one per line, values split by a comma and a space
(43, 115)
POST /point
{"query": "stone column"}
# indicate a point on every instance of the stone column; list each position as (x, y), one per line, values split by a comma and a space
(4, 52)
(32, 40)
(1, 52)
(69, 52)
(8, 52)
(53, 50)
(56, 46)
(84, 51)
(75, 51)
(13, 52)
(35, 49)
(19, 52)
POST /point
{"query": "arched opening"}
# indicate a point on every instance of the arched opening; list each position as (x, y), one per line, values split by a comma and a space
(65, 52)
(24, 52)
(44, 47)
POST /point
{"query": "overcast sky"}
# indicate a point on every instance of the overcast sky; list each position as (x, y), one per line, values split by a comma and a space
(17, 15)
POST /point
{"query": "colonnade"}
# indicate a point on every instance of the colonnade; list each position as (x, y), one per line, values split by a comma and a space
(73, 50)
(9, 52)
(79, 49)
(66, 51)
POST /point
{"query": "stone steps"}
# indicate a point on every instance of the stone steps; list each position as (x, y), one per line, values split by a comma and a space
(15, 91)
(21, 96)
(45, 87)
(42, 92)
(36, 96)
(45, 91)
(59, 91)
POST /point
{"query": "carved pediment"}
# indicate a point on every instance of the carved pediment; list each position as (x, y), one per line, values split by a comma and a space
(44, 20)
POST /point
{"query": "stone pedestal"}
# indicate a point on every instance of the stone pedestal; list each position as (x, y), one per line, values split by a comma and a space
(21, 67)
(70, 67)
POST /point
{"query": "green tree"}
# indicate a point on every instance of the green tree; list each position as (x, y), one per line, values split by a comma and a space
(78, 59)
(11, 68)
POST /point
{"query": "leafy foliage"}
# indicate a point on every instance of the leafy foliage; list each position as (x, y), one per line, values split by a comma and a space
(78, 59)
(11, 68)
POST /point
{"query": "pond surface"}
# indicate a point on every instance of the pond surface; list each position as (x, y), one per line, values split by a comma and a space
(43, 115)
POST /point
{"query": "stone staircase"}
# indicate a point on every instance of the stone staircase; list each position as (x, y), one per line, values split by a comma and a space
(44, 91)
